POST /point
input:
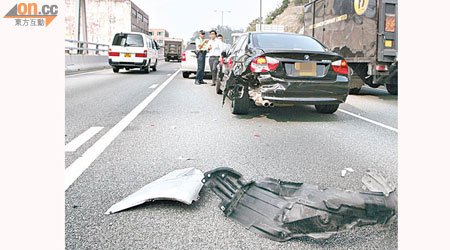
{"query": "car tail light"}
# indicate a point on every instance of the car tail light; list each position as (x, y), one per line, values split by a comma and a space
(183, 57)
(340, 67)
(264, 64)
(381, 67)
(113, 53)
(142, 54)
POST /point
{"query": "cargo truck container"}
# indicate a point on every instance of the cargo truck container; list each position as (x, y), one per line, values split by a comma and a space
(365, 32)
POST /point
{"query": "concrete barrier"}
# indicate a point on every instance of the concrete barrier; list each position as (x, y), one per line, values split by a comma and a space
(75, 63)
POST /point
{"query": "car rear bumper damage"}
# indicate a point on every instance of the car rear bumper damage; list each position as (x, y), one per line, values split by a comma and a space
(303, 91)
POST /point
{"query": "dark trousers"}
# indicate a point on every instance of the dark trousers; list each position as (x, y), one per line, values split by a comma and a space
(201, 58)
(213, 61)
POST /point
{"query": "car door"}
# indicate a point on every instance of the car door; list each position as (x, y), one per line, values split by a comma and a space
(239, 55)
(231, 58)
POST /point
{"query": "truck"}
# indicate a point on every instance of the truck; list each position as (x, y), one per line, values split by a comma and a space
(364, 32)
(173, 49)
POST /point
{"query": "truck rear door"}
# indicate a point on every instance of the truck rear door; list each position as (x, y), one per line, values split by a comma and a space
(387, 31)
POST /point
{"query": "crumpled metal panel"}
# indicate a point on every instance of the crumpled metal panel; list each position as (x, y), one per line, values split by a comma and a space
(281, 210)
(181, 185)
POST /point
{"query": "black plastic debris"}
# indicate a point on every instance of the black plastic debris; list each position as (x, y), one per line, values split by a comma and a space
(281, 210)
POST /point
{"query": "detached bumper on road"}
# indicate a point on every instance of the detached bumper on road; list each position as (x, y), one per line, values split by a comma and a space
(281, 210)
(303, 92)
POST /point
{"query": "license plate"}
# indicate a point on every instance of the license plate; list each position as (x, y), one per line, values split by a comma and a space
(127, 55)
(305, 69)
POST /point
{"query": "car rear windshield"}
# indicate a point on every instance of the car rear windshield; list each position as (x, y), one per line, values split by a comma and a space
(132, 40)
(191, 46)
(287, 41)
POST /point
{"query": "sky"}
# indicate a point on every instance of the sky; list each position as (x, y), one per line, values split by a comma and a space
(181, 18)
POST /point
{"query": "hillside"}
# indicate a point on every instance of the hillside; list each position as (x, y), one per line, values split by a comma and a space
(291, 18)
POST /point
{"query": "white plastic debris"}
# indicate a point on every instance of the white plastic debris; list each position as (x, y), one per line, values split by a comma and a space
(343, 172)
(181, 185)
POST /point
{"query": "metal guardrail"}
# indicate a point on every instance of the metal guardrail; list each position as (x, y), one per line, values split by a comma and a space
(82, 47)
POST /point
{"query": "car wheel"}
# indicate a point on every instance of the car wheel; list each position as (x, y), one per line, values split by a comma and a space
(354, 91)
(240, 106)
(115, 70)
(154, 67)
(392, 88)
(368, 81)
(146, 70)
(186, 74)
(327, 109)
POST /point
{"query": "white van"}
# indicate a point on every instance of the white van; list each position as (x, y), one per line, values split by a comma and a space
(133, 50)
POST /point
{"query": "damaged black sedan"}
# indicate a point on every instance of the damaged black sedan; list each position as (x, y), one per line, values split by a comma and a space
(283, 68)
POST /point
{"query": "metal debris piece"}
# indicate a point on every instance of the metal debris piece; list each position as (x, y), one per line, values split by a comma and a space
(375, 182)
(345, 170)
(281, 210)
(181, 185)
(350, 170)
(185, 159)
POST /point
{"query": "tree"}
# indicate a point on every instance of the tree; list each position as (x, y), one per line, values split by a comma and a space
(252, 25)
(272, 15)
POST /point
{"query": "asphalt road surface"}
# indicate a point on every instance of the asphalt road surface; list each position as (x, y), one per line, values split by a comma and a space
(138, 131)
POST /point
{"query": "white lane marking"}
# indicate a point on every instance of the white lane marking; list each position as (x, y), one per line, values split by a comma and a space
(82, 163)
(168, 74)
(81, 139)
(90, 72)
(369, 120)
(153, 86)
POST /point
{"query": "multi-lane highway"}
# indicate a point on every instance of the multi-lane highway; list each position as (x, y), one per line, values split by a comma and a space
(125, 130)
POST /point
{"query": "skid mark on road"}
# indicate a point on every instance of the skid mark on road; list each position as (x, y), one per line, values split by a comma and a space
(369, 120)
(82, 163)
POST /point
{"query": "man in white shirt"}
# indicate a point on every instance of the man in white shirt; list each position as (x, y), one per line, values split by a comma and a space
(214, 51)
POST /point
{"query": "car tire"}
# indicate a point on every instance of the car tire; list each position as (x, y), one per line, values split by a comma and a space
(115, 70)
(218, 83)
(354, 91)
(154, 67)
(368, 81)
(392, 88)
(146, 70)
(240, 106)
(327, 108)
(186, 74)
